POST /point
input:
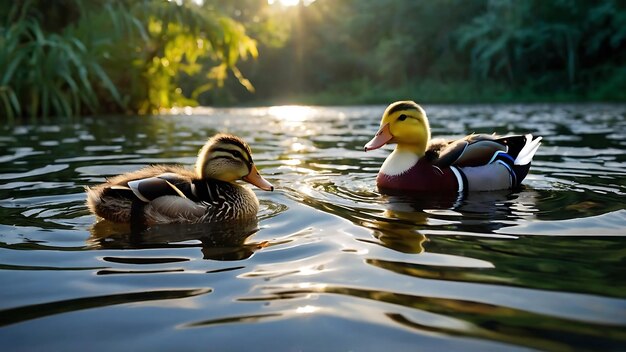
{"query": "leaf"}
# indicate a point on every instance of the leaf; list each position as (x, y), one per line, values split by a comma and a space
(14, 101)
(242, 80)
(14, 63)
(7, 106)
(88, 94)
(140, 28)
(106, 81)
(63, 105)
(201, 89)
(113, 16)
(45, 102)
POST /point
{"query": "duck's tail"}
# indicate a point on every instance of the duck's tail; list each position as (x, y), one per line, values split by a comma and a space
(93, 199)
(516, 160)
(519, 164)
(525, 155)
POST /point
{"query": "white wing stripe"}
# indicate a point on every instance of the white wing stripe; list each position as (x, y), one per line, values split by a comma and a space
(459, 178)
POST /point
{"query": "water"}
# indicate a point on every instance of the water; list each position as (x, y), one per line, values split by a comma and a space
(331, 264)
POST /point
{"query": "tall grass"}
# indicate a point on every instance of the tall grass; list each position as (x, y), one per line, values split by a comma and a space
(114, 55)
(46, 74)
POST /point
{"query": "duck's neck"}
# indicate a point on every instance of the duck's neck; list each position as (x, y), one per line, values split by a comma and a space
(402, 159)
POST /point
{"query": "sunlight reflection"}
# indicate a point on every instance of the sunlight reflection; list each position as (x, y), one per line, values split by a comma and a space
(310, 285)
(307, 271)
(290, 3)
(291, 162)
(292, 113)
(186, 110)
(307, 309)
(298, 147)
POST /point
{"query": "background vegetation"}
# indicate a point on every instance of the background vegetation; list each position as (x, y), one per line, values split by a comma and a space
(72, 57)
(363, 51)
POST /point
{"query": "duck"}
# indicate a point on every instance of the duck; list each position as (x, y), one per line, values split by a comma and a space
(477, 162)
(165, 194)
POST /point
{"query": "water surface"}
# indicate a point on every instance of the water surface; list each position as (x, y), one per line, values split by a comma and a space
(331, 264)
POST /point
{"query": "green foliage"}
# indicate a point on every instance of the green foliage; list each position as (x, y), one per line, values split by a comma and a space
(71, 57)
(447, 51)
(114, 55)
(45, 73)
(156, 44)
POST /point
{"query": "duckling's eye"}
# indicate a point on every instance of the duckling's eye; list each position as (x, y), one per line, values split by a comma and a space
(402, 117)
(237, 154)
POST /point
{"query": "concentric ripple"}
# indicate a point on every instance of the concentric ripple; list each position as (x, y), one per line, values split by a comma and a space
(330, 263)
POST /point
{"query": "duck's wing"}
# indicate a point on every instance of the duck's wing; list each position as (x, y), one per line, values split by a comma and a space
(473, 150)
(123, 198)
(130, 189)
(171, 198)
(167, 184)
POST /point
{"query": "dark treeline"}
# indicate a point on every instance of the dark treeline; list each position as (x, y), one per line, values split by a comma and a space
(73, 57)
(376, 51)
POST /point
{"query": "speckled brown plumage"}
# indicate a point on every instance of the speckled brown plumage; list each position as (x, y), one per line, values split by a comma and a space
(173, 194)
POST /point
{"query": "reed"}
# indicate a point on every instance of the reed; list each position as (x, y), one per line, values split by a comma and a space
(114, 56)
(46, 73)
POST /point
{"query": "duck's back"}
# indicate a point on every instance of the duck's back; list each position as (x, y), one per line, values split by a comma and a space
(476, 149)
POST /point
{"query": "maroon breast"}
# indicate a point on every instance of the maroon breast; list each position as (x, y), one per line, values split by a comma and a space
(421, 177)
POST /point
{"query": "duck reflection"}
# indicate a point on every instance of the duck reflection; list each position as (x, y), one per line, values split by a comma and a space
(406, 220)
(402, 222)
(489, 210)
(396, 235)
(217, 241)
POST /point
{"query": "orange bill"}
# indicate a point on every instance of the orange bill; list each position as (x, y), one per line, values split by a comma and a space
(255, 178)
(383, 136)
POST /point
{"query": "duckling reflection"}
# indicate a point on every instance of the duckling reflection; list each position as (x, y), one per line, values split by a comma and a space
(218, 241)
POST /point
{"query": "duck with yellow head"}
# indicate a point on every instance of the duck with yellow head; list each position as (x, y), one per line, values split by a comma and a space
(477, 162)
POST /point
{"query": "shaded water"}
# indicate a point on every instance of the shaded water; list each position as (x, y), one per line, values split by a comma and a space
(331, 264)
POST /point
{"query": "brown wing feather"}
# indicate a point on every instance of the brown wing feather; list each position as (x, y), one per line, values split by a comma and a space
(472, 150)
(479, 153)
(147, 172)
(451, 153)
(434, 148)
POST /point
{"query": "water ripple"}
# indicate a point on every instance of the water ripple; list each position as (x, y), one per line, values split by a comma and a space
(538, 268)
(35, 172)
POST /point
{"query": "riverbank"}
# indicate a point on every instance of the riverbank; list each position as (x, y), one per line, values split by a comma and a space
(433, 92)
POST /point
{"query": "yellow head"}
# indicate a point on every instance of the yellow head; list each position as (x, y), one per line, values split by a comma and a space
(404, 123)
(228, 158)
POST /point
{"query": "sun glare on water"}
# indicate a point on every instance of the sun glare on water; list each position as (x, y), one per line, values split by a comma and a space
(291, 113)
(288, 3)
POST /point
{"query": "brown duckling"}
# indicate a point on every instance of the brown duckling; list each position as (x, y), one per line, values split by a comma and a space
(162, 194)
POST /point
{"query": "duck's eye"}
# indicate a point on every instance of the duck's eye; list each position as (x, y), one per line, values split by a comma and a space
(237, 154)
(402, 117)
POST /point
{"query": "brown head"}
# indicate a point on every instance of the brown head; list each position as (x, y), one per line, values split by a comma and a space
(228, 158)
